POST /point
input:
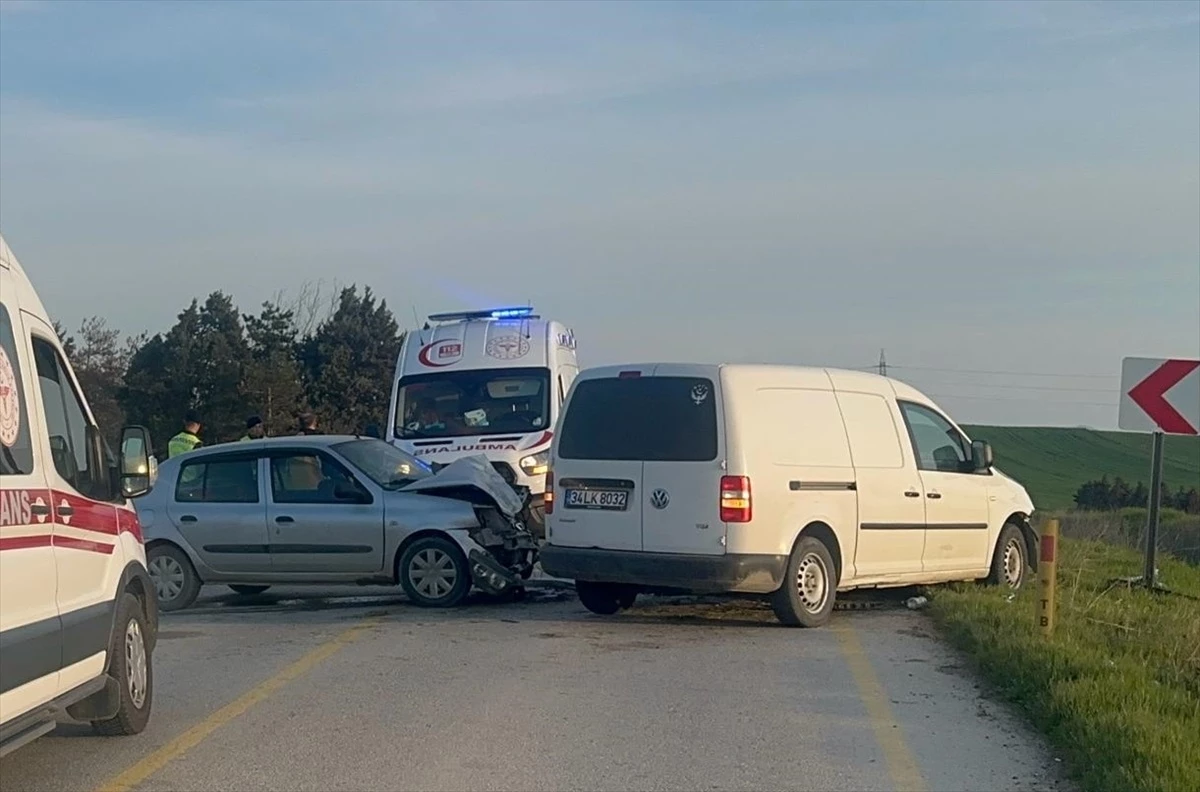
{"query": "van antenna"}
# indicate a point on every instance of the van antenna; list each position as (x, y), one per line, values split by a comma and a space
(417, 323)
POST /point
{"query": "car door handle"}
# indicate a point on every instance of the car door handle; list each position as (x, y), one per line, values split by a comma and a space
(912, 494)
(933, 495)
(65, 510)
(283, 518)
(39, 509)
(188, 518)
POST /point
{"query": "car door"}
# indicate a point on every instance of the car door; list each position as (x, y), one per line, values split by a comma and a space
(219, 508)
(956, 499)
(311, 528)
(30, 628)
(891, 497)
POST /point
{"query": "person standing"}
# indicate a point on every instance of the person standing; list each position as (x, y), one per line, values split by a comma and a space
(254, 429)
(308, 424)
(188, 439)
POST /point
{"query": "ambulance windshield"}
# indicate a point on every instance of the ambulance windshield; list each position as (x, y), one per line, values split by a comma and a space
(473, 403)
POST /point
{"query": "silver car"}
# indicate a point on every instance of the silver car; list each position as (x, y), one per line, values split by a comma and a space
(322, 509)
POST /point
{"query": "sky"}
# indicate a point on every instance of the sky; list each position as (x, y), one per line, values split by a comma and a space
(1003, 196)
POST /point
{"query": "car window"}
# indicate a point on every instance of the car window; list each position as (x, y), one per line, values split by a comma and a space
(306, 477)
(938, 445)
(652, 419)
(66, 421)
(383, 463)
(16, 444)
(218, 481)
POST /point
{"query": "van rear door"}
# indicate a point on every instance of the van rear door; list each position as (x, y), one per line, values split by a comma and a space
(680, 439)
(598, 469)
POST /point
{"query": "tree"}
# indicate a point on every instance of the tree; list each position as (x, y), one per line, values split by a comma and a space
(198, 365)
(273, 383)
(100, 360)
(65, 339)
(349, 361)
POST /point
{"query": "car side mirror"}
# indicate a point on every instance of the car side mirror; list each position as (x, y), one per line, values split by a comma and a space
(136, 469)
(982, 457)
(348, 491)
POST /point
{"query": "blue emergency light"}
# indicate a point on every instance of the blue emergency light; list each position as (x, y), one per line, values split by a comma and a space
(490, 313)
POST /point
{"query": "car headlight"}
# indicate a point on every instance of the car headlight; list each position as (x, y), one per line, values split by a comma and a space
(536, 464)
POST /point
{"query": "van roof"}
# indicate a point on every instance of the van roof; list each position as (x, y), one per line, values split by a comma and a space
(482, 343)
(27, 296)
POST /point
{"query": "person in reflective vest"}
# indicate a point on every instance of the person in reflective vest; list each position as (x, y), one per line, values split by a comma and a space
(188, 439)
(254, 429)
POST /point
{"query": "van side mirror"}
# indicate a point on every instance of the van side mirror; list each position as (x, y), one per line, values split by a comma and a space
(982, 457)
(136, 469)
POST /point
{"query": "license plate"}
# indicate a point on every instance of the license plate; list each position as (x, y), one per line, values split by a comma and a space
(608, 500)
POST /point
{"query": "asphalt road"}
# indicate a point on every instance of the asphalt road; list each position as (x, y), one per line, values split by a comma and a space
(326, 691)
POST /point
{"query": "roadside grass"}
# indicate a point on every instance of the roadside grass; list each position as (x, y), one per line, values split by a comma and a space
(1117, 688)
(1178, 533)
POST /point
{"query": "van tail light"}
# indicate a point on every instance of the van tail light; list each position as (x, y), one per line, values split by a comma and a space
(735, 499)
(549, 496)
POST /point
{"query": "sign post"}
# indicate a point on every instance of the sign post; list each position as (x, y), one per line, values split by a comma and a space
(1048, 577)
(1161, 396)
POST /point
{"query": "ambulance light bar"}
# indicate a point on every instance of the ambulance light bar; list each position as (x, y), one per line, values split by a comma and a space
(491, 313)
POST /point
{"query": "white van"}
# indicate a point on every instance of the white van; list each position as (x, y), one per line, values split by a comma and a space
(784, 481)
(488, 382)
(78, 616)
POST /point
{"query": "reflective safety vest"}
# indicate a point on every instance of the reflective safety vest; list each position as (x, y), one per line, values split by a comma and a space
(182, 443)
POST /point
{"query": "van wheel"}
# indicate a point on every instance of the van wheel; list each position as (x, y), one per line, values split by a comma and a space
(1010, 562)
(626, 598)
(602, 598)
(130, 666)
(809, 586)
(249, 591)
(434, 574)
(176, 584)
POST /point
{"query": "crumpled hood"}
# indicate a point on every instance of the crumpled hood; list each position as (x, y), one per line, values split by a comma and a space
(471, 472)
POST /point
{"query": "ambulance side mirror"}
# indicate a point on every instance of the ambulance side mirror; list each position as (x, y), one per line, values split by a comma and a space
(135, 471)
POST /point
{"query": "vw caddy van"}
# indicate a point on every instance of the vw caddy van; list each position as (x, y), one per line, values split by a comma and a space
(783, 481)
(78, 617)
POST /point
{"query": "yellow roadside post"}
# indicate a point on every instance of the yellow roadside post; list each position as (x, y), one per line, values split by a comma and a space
(1047, 577)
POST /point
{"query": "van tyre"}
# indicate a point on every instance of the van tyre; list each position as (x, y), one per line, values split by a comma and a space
(602, 598)
(809, 586)
(176, 584)
(249, 591)
(434, 573)
(131, 667)
(1010, 562)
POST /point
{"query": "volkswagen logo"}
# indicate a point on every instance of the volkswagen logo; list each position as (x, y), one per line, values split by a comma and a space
(659, 499)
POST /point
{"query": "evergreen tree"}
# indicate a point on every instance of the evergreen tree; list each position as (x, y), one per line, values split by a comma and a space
(273, 384)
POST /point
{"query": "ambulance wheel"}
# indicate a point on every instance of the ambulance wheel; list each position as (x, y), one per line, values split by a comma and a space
(132, 669)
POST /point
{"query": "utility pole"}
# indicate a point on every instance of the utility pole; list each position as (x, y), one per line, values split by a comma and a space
(882, 364)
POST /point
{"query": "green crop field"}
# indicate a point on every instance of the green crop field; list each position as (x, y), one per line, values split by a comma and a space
(1053, 462)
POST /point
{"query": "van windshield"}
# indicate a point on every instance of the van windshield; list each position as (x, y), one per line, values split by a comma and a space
(473, 403)
(650, 419)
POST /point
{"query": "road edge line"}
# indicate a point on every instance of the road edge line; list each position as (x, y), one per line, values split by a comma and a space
(131, 777)
(902, 766)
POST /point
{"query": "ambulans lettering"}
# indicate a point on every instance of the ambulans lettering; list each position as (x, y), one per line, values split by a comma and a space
(462, 448)
(15, 507)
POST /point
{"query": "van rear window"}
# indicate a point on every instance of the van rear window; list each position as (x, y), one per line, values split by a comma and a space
(650, 419)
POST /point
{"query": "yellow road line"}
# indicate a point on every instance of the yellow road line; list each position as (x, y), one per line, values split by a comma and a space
(902, 766)
(139, 772)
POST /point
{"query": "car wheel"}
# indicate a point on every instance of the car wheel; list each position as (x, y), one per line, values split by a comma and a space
(131, 667)
(626, 598)
(249, 591)
(176, 584)
(601, 598)
(1010, 562)
(809, 586)
(433, 573)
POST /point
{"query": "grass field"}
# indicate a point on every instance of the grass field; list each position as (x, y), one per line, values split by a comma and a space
(1117, 689)
(1053, 462)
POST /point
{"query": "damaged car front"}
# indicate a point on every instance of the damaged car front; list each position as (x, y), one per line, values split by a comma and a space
(450, 529)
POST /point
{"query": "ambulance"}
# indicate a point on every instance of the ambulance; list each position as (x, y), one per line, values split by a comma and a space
(78, 615)
(488, 382)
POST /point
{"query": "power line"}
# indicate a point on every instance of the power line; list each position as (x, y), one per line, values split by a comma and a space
(1025, 401)
(1008, 373)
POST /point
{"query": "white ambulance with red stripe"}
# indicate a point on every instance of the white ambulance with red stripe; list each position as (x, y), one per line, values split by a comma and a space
(78, 615)
(488, 382)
